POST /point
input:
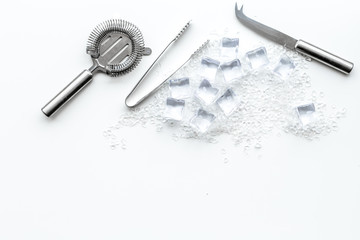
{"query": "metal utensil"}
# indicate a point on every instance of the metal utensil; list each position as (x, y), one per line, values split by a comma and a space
(116, 47)
(300, 46)
(133, 101)
(129, 101)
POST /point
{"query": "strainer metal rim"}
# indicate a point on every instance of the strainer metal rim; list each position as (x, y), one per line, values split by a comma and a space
(125, 27)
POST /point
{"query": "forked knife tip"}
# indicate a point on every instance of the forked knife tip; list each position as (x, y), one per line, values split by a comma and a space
(237, 10)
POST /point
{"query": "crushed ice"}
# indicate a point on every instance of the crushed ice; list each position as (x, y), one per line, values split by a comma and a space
(246, 96)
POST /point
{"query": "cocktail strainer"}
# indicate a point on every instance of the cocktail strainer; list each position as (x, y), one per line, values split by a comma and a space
(116, 47)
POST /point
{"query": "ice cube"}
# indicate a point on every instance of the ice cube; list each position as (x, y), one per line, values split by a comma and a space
(209, 68)
(180, 88)
(229, 48)
(202, 120)
(285, 67)
(174, 109)
(306, 113)
(206, 93)
(227, 102)
(231, 70)
(257, 58)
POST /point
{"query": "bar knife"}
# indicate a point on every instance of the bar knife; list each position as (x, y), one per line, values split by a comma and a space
(291, 43)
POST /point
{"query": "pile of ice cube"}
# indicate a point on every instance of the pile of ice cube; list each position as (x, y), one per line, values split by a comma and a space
(214, 90)
(226, 89)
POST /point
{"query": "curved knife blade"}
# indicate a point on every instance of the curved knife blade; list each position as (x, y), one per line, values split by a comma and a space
(268, 32)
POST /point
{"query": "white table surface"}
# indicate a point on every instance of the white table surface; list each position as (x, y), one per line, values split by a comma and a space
(59, 179)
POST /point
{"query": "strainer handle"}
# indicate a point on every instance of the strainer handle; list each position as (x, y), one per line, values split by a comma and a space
(67, 93)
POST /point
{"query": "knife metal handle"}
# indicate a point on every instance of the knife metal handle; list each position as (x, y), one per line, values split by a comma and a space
(324, 57)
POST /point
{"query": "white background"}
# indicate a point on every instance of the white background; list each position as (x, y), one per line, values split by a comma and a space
(59, 179)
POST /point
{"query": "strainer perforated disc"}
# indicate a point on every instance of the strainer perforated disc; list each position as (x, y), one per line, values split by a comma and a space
(116, 47)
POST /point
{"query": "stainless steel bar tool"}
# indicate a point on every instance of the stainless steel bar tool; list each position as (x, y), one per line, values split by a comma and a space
(116, 47)
(133, 102)
(130, 99)
(300, 46)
